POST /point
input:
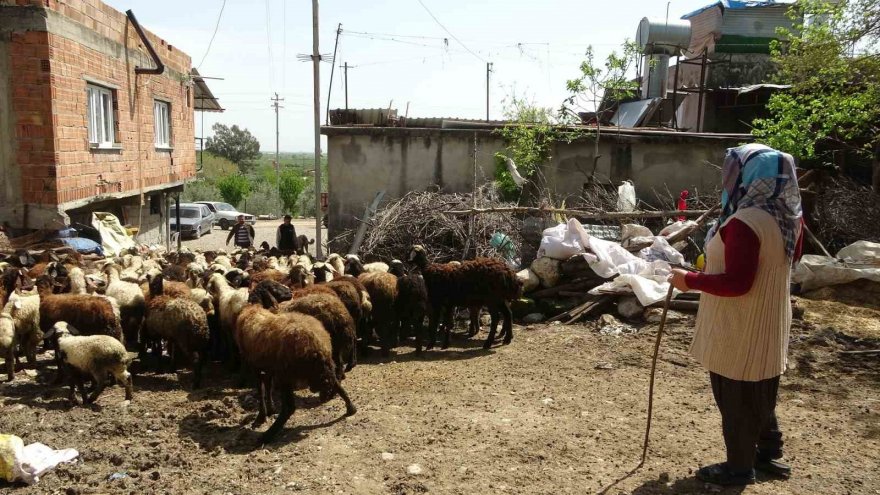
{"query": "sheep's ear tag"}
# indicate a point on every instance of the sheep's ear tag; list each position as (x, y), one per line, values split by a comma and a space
(16, 304)
(412, 255)
(23, 259)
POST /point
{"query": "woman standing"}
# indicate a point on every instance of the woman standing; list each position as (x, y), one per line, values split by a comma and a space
(743, 323)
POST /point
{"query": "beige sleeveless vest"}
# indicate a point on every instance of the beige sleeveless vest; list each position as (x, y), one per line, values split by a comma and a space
(746, 337)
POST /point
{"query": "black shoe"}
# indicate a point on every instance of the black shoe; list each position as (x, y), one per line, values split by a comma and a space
(720, 474)
(773, 467)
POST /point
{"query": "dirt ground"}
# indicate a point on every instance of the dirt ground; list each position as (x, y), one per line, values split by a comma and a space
(264, 230)
(560, 410)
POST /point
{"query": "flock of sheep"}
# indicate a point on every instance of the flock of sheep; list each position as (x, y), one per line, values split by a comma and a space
(289, 320)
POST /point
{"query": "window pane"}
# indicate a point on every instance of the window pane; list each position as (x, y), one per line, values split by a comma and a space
(92, 122)
(107, 100)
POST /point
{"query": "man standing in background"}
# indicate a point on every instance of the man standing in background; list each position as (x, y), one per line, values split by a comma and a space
(243, 233)
(285, 238)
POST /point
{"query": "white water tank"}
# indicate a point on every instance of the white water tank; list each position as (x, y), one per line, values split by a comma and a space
(662, 36)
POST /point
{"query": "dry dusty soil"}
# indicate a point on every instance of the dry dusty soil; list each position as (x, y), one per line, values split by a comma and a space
(560, 410)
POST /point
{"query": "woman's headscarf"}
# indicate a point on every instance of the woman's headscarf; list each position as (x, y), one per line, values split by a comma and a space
(757, 176)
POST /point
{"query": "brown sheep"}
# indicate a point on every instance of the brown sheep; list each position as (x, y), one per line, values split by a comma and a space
(180, 321)
(382, 288)
(288, 351)
(330, 311)
(411, 303)
(475, 283)
(94, 315)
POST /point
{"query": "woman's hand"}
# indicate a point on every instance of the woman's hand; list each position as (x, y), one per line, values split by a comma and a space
(677, 279)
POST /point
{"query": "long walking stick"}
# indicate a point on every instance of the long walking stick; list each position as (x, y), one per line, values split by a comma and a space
(653, 372)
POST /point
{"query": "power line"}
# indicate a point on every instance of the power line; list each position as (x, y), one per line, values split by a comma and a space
(449, 32)
(269, 45)
(216, 27)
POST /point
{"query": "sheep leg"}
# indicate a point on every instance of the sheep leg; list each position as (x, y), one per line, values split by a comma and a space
(100, 383)
(433, 322)
(261, 400)
(198, 364)
(474, 326)
(349, 406)
(287, 409)
(352, 356)
(270, 402)
(124, 379)
(493, 329)
(74, 381)
(447, 327)
(507, 326)
(10, 363)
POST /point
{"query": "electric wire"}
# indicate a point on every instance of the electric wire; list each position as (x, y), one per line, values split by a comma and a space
(450, 32)
(216, 27)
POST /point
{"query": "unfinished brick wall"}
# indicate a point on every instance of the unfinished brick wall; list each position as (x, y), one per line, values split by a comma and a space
(51, 71)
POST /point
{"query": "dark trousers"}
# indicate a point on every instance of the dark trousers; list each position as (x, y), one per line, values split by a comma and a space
(748, 418)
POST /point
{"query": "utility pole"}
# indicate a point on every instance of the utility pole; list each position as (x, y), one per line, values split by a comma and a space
(276, 105)
(346, 85)
(316, 69)
(488, 70)
(332, 67)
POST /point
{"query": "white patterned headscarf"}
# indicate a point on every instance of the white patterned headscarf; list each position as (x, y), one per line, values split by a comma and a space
(757, 176)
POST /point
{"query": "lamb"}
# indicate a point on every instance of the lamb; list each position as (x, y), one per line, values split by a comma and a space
(94, 314)
(411, 303)
(288, 351)
(323, 272)
(479, 282)
(132, 304)
(355, 267)
(8, 343)
(337, 321)
(23, 312)
(93, 356)
(180, 321)
(382, 288)
(337, 263)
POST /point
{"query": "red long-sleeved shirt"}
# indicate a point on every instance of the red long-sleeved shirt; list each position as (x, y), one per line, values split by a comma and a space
(741, 250)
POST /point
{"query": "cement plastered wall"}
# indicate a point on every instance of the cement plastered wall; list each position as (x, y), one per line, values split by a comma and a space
(364, 161)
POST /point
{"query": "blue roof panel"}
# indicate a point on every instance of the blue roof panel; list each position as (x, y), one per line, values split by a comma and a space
(739, 4)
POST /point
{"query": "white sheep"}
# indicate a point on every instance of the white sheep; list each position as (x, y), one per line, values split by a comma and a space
(130, 299)
(24, 311)
(92, 356)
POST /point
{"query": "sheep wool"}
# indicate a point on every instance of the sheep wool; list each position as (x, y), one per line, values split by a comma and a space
(95, 356)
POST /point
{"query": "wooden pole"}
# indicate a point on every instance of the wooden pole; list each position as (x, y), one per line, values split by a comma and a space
(332, 70)
(316, 69)
(580, 213)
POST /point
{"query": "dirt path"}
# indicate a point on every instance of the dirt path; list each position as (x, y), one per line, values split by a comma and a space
(542, 415)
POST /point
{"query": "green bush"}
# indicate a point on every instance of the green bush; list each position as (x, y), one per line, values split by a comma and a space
(200, 190)
(234, 188)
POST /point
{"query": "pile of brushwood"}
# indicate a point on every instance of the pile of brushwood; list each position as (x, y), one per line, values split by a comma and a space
(420, 218)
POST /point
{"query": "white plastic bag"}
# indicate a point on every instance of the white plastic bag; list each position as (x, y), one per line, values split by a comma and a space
(676, 227)
(661, 250)
(861, 250)
(560, 242)
(28, 463)
(626, 197)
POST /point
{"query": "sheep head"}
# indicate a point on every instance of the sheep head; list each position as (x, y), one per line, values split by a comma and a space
(418, 255)
(397, 268)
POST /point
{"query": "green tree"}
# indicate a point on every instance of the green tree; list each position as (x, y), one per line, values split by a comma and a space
(214, 167)
(199, 190)
(831, 60)
(611, 81)
(235, 144)
(234, 188)
(529, 136)
(292, 185)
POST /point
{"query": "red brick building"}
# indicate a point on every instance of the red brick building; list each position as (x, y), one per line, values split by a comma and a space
(90, 120)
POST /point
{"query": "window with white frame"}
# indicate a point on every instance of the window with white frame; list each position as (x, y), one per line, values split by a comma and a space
(162, 124)
(100, 115)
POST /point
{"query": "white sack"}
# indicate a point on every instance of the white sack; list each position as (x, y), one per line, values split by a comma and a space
(626, 197)
(861, 250)
(815, 271)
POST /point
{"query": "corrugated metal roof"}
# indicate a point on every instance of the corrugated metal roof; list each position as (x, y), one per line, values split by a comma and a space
(204, 99)
(739, 4)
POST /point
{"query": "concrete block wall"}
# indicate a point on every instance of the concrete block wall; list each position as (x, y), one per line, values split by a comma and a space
(364, 161)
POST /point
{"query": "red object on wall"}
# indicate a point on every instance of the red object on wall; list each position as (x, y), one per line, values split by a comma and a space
(682, 203)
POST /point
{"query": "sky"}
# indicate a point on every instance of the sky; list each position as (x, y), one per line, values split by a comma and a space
(397, 52)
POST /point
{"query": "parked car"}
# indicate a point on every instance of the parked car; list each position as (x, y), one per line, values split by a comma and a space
(195, 220)
(225, 215)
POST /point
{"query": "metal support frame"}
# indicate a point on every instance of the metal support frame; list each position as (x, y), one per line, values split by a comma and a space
(160, 67)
